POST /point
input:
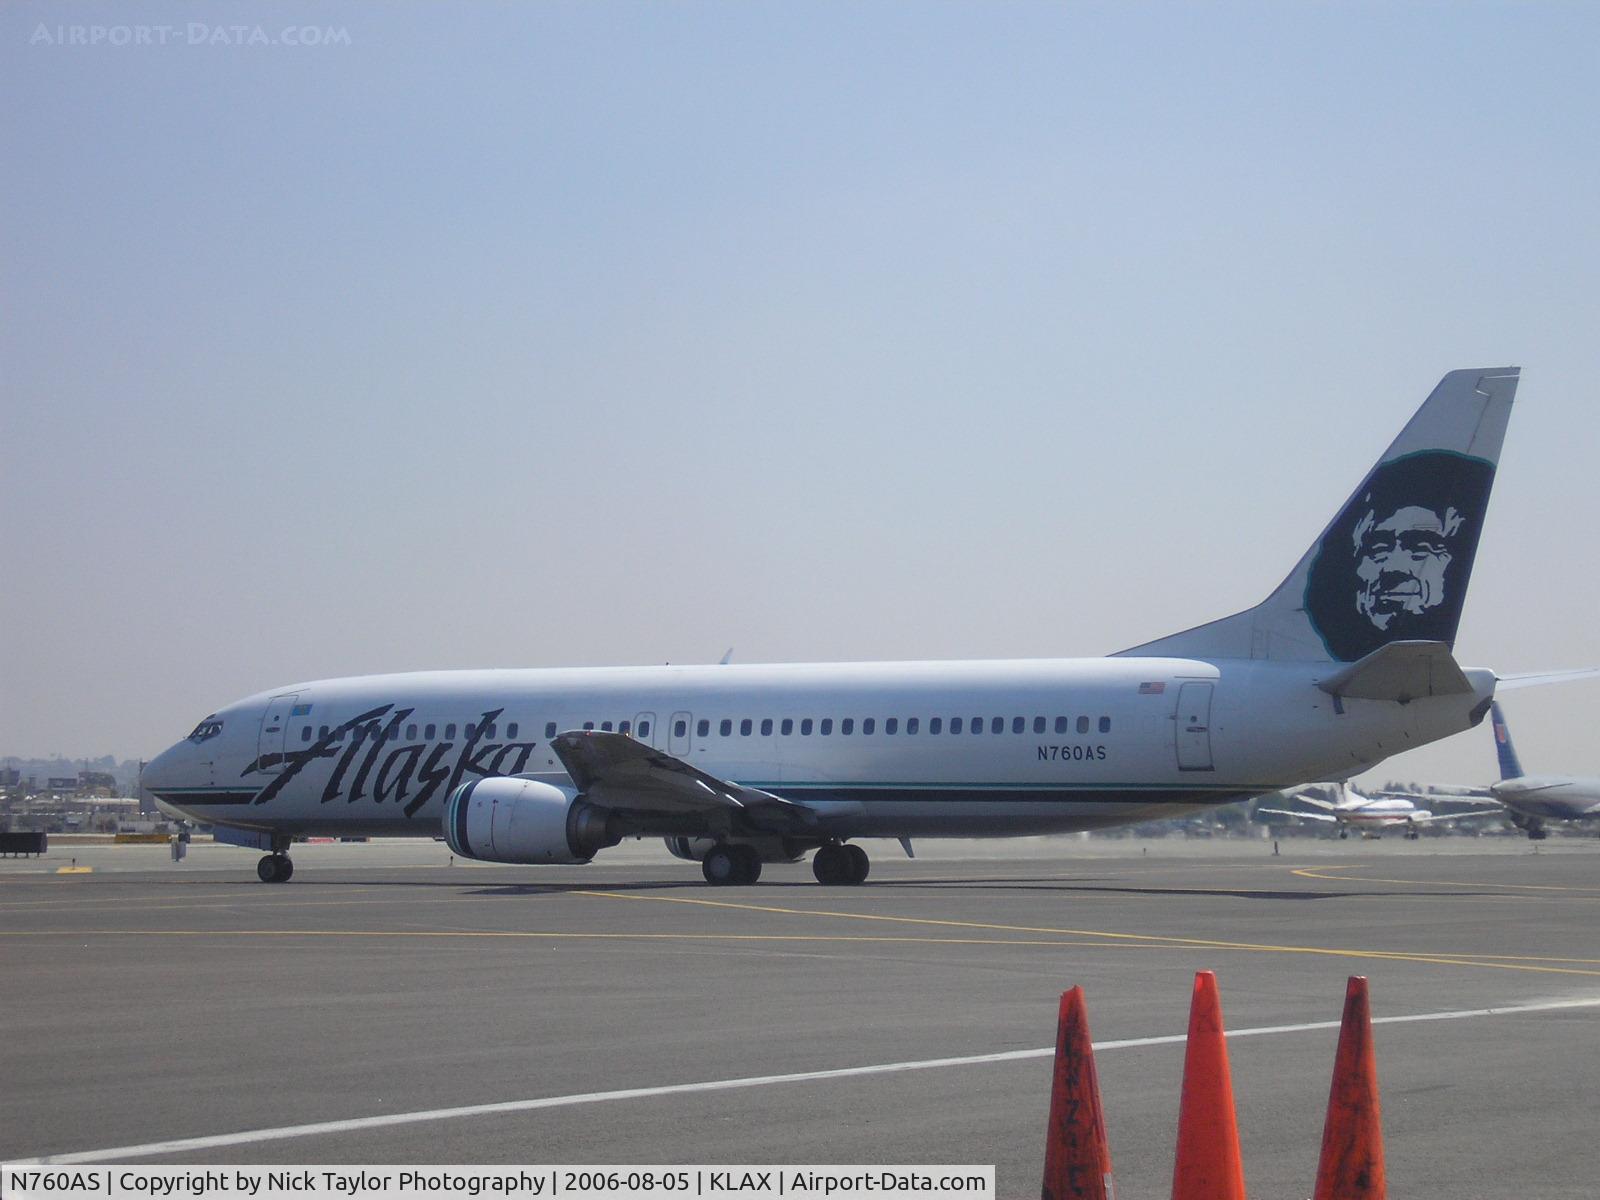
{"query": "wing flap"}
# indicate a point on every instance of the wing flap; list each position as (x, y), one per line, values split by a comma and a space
(614, 770)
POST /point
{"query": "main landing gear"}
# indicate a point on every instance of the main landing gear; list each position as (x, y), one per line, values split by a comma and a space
(838, 863)
(276, 867)
(731, 863)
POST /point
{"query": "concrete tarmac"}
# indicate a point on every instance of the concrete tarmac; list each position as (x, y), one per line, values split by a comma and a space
(146, 1003)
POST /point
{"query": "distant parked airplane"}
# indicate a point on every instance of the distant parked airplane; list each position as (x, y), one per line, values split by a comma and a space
(1349, 660)
(1531, 800)
(1369, 814)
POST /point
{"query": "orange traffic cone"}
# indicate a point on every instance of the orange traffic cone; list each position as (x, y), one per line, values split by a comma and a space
(1077, 1158)
(1351, 1166)
(1208, 1166)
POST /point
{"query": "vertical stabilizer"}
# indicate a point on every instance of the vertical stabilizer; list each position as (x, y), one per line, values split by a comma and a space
(1393, 565)
(1510, 766)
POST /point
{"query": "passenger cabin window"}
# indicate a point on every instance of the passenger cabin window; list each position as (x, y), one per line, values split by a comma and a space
(766, 727)
(549, 729)
(490, 734)
(787, 727)
(867, 726)
(624, 726)
(726, 727)
(588, 724)
(911, 725)
(745, 726)
(680, 728)
(998, 725)
(1105, 724)
(827, 726)
(1038, 724)
(511, 730)
(305, 734)
(955, 724)
(450, 730)
(935, 724)
(1061, 724)
(892, 725)
(805, 727)
(428, 732)
(644, 729)
(322, 732)
(1018, 724)
(703, 728)
(605, 726)
(847, 727)
(1083, 724)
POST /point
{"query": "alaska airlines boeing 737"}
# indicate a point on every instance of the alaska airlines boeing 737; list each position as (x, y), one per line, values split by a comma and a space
(1348, 661)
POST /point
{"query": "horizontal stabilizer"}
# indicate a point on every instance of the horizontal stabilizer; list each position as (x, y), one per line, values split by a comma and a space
(1504, 683)
(1401, 672)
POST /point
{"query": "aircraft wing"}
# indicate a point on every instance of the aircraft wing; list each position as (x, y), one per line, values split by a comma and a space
(1456, 795)
(1497, 810)
(1315, 801)
(614, 770)
(1301, 816)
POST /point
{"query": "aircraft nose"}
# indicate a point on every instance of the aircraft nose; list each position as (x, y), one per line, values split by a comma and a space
(160, 772)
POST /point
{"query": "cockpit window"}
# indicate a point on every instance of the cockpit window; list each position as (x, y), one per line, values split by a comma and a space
(209, 728)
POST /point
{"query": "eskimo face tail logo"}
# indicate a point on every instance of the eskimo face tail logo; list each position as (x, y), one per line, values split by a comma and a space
(1394, 565)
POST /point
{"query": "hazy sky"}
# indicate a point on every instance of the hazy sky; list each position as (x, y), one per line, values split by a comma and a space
(587, 333)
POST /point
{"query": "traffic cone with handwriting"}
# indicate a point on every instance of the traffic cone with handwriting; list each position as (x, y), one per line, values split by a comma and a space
(1208, 1165)
(1351, 1166)
(1077, 1158)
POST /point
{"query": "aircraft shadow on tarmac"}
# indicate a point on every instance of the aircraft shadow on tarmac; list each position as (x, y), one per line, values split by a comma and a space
(1042, 885)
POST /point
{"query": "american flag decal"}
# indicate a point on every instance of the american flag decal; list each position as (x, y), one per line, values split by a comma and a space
(1500, 733)
(1152, 689)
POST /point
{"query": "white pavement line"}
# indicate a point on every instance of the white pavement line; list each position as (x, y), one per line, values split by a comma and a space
(322, 1128)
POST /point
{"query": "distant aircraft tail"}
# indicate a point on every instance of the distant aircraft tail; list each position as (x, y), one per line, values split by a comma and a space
(1510, 766)
(1394, 564)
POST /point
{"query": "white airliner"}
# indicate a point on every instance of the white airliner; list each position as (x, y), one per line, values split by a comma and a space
(1531, 800)
(1348, 661)
(1370, 815)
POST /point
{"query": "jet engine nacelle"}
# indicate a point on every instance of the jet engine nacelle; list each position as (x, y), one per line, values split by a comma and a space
(521, 821)
(771, 849)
